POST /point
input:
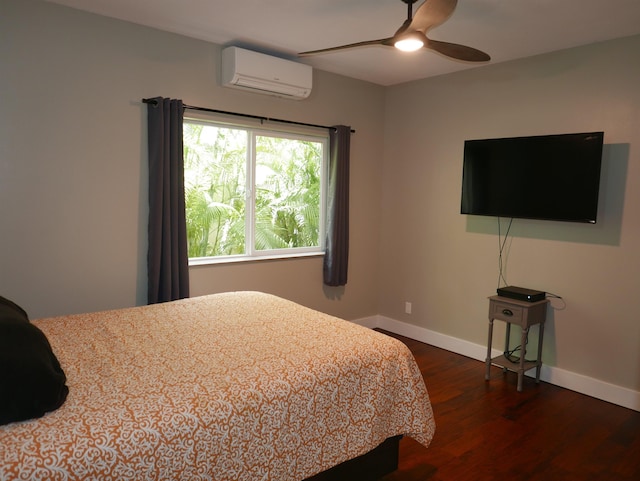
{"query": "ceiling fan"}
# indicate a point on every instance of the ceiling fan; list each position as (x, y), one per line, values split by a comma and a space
(412, 35)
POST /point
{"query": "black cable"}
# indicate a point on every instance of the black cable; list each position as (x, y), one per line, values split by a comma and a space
(508, 355)
(555, 296)
(501, 246)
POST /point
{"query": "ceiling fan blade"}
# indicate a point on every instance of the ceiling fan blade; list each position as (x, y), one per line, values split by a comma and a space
(432, 13)
(404, 27)
(456, 51)
(382, 41)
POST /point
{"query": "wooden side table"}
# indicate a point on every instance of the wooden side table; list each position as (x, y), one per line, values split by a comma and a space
(524, 314)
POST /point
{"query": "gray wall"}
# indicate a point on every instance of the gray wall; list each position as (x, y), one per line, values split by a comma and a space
(446, 264)
(73, 192)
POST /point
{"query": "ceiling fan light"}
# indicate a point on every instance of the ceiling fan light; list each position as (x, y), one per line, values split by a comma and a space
(410, 43)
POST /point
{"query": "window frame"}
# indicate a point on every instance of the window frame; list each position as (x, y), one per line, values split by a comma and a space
(254, 129)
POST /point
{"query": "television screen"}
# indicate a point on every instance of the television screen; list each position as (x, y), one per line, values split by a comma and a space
(551, 177)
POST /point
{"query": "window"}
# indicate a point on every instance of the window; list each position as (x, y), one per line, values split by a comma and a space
(251, 192)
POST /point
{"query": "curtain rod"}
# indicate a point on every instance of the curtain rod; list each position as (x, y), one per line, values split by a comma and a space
(259, 117)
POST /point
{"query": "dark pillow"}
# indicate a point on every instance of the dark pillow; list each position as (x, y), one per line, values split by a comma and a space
(32, 382)
(11, 309)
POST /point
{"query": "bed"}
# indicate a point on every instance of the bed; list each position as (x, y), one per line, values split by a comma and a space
(231, 386)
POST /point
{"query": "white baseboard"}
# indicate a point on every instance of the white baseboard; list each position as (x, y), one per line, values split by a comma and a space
(570, 380)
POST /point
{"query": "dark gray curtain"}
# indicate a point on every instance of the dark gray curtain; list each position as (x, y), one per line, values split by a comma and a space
(168, 259)
(336, 257)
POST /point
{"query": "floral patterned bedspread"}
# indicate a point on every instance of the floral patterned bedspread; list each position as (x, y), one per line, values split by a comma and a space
(233, 386)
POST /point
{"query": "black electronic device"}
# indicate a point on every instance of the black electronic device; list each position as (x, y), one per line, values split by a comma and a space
(521, 293)
(550, 177)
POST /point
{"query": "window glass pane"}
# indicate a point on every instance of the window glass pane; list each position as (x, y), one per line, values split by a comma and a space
(252, 192)
(215, 189)
(288, 192)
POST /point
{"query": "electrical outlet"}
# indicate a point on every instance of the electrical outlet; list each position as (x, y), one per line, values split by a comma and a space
(407, 307)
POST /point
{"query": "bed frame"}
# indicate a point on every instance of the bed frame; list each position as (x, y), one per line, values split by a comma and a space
(368, 467)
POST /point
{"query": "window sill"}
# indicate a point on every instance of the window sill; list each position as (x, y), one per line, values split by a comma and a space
(205, 261)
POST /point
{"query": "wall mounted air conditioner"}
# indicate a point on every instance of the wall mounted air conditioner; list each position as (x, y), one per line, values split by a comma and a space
(265, 74)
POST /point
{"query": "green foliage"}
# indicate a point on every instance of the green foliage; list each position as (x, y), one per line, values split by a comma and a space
(287, 190)
(214, 190)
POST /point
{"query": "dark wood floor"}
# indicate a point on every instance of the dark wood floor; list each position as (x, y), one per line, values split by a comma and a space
(489, 431)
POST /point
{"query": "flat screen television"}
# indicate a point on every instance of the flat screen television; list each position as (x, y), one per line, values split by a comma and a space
(550, 177)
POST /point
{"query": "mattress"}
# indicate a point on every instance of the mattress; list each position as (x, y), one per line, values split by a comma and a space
(232, 386)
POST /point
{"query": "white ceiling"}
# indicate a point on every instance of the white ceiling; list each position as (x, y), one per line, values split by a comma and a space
(505, 29)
